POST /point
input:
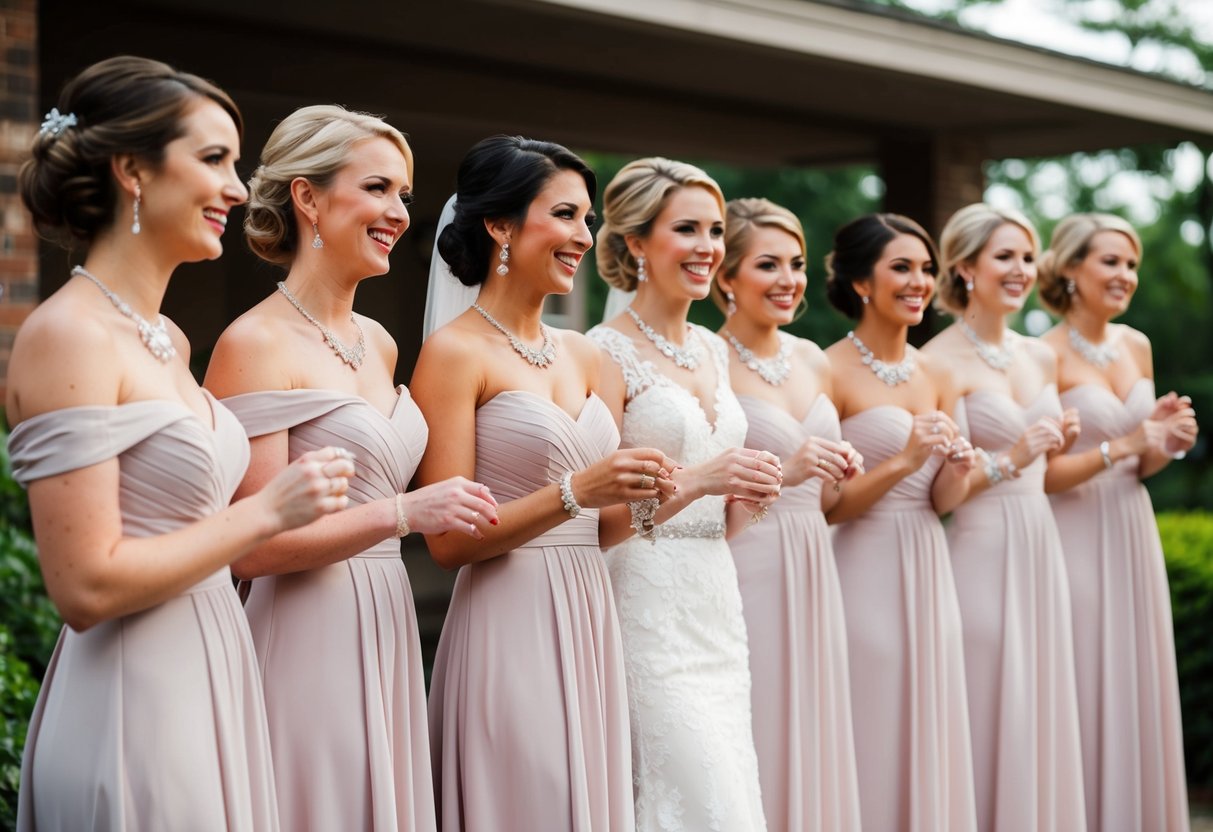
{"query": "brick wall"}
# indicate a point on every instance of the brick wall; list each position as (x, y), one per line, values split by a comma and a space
(19, 119)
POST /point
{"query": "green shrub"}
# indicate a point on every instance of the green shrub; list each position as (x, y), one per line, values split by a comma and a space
(1187, 541)
(20, 691)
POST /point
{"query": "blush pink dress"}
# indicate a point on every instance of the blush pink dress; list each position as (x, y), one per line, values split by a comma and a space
(1019, 657)
(155, 720)
(906, 652)
(528, 705)
(1124, 648)
(798, 640)
(338, 646)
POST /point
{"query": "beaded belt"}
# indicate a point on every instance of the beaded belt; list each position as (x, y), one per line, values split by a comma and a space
(695, 528)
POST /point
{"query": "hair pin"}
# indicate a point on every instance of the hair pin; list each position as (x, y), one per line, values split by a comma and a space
(56, 122)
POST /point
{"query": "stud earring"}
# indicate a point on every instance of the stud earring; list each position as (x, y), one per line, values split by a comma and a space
(968, 285)
(641, 274)
(730, 308)
(316, 241)
(866, 300)
(503, 267)
(135, 226)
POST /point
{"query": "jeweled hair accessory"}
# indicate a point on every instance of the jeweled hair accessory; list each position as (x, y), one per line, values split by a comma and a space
(56, 122)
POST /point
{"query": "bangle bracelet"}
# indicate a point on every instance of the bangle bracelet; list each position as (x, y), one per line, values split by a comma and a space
(1009, 468)
(990, 466)
(566, 495)
(402, 522)
(1105, 452)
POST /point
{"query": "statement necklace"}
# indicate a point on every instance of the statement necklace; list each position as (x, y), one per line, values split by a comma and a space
(890, 374)
(686, 356)
(773, 370)
(998, 357)
(541, 357)
(1101, 355)
(350, 355)
(154, 336)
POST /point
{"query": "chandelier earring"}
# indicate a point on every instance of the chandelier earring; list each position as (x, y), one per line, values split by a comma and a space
(641, 274)
(503, 267)
(316, 241)
(135, 226)
(730, 304)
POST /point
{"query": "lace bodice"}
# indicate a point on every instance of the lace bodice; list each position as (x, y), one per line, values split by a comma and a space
(661, 413)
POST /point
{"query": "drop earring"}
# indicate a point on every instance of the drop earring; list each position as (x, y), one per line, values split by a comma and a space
(1070, 287)
(503, 267)
(316, 241)
(968, 285)
(641, 274)
(730, 308)
(866, 300)
(135, 226)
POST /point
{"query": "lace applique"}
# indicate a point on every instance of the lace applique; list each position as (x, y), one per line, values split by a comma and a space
(638, 375)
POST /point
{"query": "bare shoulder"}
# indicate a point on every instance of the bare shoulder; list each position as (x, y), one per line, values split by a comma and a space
(943, 343)
(180, 342)
(1138, 346)
(64, 355)
(380, 341)
(812, 355)
(1041, 353)
(253, 353)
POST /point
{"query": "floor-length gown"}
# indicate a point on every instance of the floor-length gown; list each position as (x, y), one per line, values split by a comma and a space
(154, 720)
(693, 759)
(798, 640)
(905, 649)
(1019, 656)
(338, 646)
(1124, 647)
(528, 707)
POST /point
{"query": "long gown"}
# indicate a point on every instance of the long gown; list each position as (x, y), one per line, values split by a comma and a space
(528, 710)
(154, 720)
(1124, 648)
(693, 760)
(338, 646)
(1019, 656)
(798, 640)
(906, 652)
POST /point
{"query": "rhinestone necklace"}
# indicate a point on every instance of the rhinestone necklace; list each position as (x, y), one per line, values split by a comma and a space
(773, 370)
(998, 357)
(154, 336)
(1101, 355)
(350, 355)
(686, 356)
(890, 374)
(541, 357)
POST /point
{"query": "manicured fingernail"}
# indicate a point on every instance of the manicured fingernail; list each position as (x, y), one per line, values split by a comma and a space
(494, 521)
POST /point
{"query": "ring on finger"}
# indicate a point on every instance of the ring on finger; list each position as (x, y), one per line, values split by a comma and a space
(646, 481)
(475, 516)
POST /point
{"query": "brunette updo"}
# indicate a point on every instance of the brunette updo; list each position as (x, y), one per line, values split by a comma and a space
(741, 218)
(498, 179)
(122, 105)
(857, 247)
(1068, 247)
(313, 143)
(963, 238)
(631, 202)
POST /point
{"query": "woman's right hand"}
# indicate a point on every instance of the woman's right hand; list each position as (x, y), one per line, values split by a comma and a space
(1042, 437)
(313, 485)
(930, 433)
(454, 505)
(831, 462)
(743, 473)
(1151, 433)
(623, 477)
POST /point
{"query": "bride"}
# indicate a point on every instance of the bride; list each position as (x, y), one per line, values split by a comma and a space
(684, 638)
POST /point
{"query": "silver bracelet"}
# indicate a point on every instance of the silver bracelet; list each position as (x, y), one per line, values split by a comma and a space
(566, 495)
(1105, 452)
(643, 512)
(990, 465)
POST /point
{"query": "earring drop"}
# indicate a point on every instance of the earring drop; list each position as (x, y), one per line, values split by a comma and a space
(1070, 287)
(969, 285)
(730, 305)
(135, 227)
(866, 300)
(641, 274)
(503, 267)
(316, 241)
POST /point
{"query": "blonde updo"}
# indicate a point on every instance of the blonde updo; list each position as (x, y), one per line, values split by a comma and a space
(1068, 247)
(742, 217)
(313, 143)
(963, 238)
(631, 202)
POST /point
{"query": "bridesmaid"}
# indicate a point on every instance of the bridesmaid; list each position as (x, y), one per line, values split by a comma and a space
(528, 707)
(331, 606)
(789, 584)
(903, 623)
(151, 715)
(1006, 555)
(1128, 697)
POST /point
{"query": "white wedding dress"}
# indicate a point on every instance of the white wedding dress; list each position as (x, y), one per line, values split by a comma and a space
(693, 761)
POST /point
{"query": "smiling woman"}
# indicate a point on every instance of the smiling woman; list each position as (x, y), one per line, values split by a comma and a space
(151, 714)
(344, 686)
